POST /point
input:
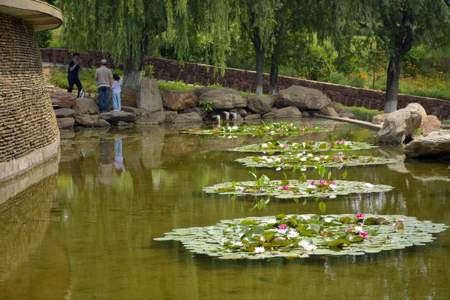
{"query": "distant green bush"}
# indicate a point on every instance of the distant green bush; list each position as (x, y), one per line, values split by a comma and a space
(362, 113)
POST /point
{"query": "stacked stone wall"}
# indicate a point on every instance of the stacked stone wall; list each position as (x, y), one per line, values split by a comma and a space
(27, 120)
(244, 80)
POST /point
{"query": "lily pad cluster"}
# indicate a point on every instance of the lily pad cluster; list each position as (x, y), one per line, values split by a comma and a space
(305, 160)
(281, 129)
(308, 146)
(301, 236)
(292, 189)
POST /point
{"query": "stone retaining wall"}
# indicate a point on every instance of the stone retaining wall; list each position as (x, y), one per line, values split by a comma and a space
(27, 120)
(244, 80)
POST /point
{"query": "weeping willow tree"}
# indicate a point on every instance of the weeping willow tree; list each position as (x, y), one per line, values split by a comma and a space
(208, 26)
(128, 30)
(399, 25)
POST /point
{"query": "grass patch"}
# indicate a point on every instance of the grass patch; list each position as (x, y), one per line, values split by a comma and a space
(362, 113)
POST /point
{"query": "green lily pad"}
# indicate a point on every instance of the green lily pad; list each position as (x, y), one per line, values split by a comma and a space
(281, 129)
(290, 236)
(292, 189)
(307, 146)
(309, 160)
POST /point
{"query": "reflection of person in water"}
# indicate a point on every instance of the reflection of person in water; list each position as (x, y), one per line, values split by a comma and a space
(118, 157)
(106, 162)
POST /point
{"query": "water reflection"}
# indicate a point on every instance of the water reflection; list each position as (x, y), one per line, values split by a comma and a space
(121, 189)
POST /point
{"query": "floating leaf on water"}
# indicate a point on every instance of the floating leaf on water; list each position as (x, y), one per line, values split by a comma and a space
(313, 235)
(303, 160)
(297, 189)
(308, 146)
(281, 129)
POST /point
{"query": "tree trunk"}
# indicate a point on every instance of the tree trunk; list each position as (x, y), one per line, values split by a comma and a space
(259, 55)
(131, 86)
(392, 84)
(273, 87)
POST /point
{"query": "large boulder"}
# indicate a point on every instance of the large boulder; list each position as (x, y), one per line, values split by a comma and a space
(191, 117)
(85, 106)
(260, 104)
(399, 126)
(62, 99)
(223, 98)
(378, 119)
(303, 98)
(178, 101)
(65, 123)
(252, 117)
(287, 112)
(431, 123)
(90, 121)
(417, 108)
(150, 97)
(436, 144)
(114, 117)
(329, 111)
(64, 112)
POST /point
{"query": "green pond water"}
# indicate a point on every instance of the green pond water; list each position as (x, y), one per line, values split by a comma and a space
(84, 227)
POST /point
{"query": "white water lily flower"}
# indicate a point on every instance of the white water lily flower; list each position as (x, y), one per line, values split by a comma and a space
(328, 219)
(303, 169)
(235, 127)
(369, 185)
(259, 250)
(237, 244)
(271, 221)
(316, 158)
(357, 229)
(311, 187)
(240, 188)
(306, 218)
(303, 159)
(310, 155)
(308, 246)
(294, 144)
(332, 196)
(292, 234)
(264, 145)
(333, 186)
(278, 169)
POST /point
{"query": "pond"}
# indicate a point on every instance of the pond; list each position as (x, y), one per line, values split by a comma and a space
(86, 232)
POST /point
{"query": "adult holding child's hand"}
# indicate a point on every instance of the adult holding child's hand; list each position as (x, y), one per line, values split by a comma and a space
(103, 76)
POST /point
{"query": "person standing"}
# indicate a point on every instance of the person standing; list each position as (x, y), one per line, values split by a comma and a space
(103, 76)
(116, 90)
(72, 75)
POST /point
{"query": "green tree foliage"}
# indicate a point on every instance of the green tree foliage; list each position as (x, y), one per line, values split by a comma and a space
(126, 29)
(399, 25)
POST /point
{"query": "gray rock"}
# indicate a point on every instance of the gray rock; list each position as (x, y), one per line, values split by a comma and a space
(178, 101)
(150, 97)
(303, 98)
(170, 116)
(90, 121)
(287, 112)
(329, 111)
(114, 117)
(137, 111)
(436, 144)
(191, 117)
(65, 123)
(85, 106)
(223, 98)
(64, 112)
(154, 118)
(252, 117)
(399, 126)
(260, 104)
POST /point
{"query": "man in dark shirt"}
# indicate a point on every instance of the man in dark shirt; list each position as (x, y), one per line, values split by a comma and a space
(72, 75)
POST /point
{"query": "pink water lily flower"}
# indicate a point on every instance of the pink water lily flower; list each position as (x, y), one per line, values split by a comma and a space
(360, 216)
(282, 228)
(285, 188)
(363, 234)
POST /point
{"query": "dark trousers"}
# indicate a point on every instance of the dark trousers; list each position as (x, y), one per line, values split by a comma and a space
(74, 81)
(103, 98)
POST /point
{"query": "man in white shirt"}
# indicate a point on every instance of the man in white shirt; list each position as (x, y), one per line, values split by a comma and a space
(103, 76)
